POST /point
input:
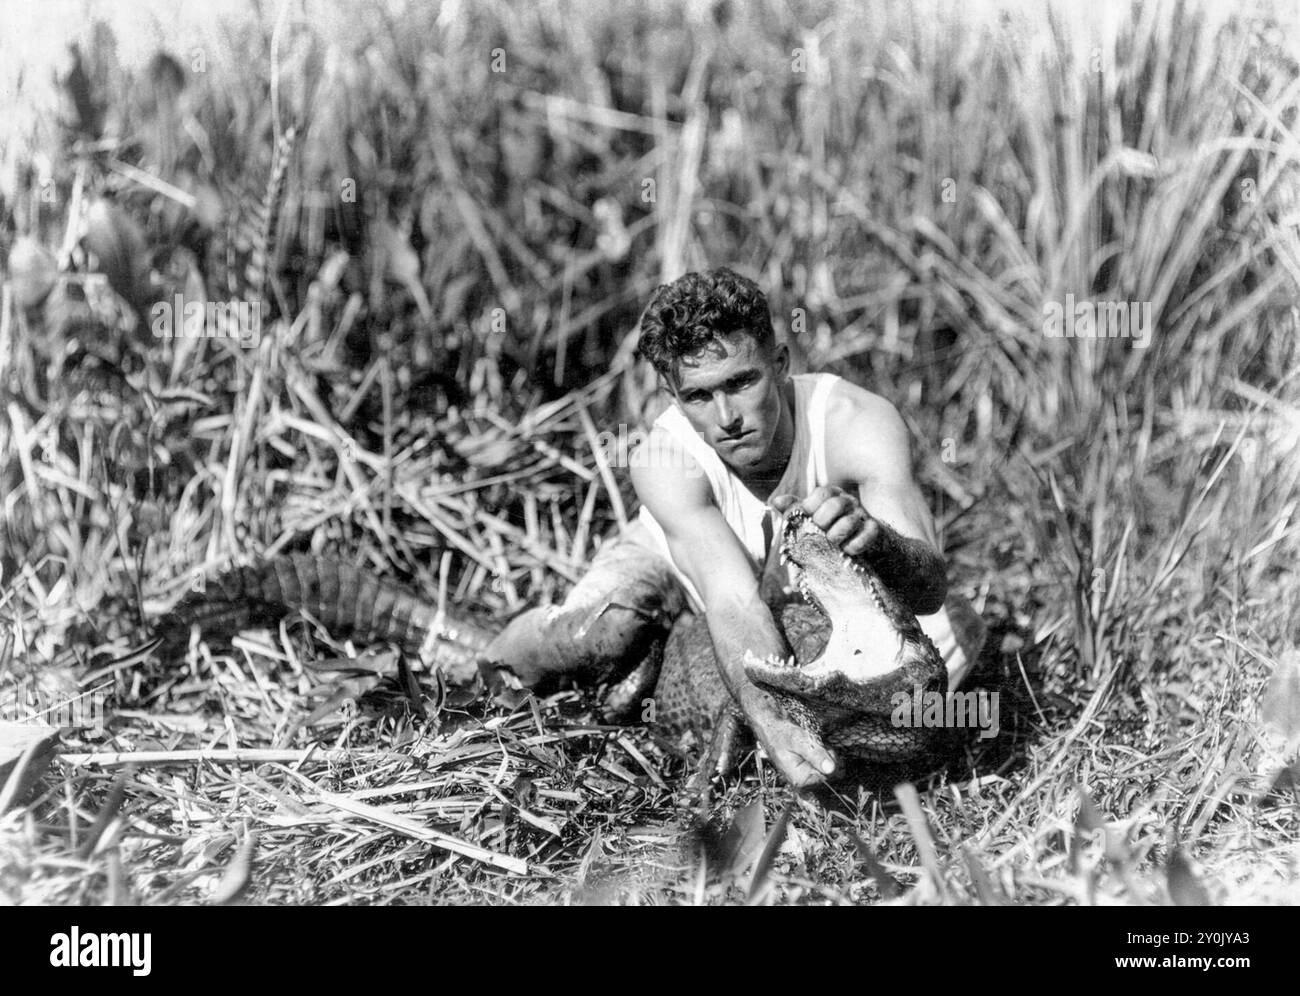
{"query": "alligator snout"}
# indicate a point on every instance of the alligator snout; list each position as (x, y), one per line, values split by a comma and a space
(876, 647)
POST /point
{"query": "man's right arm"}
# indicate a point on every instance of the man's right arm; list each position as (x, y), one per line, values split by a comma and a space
(675, 490)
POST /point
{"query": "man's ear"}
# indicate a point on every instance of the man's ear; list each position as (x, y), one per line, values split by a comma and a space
(781, 361)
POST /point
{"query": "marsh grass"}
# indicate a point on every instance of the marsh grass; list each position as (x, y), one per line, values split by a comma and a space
(911, 186)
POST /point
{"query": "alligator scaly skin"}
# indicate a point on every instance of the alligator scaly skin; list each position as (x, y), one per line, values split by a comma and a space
(348, 600)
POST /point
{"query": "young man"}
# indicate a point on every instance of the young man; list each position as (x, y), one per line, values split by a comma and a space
(743, 441)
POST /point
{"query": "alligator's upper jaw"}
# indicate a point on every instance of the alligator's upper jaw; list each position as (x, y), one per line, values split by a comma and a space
(867, 658)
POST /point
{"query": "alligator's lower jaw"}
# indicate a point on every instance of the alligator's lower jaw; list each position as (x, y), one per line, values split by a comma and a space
(856, 687)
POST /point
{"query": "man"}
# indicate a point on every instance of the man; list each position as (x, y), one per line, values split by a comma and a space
(744, 440)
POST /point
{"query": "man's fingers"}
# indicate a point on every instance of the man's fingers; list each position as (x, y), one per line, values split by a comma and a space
(864, 540)
(782, 503)
(798, 754)
(803, 761)
(846, 528)
(823, 493)
(814, 753)
(806, 774)
(857, 545)
(818, 497)
(822, 760)
(834, 509)
(853, 532)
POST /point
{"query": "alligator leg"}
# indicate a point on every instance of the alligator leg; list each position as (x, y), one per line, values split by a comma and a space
(629, 700)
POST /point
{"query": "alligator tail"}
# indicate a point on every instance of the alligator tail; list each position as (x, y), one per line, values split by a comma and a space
(348, 600)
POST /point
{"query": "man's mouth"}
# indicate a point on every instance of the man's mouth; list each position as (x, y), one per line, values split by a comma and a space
(737, 438)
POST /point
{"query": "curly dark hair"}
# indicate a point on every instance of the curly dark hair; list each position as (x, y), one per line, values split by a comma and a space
(697, 308)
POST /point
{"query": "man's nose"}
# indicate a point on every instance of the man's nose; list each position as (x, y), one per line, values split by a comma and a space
(726, 417)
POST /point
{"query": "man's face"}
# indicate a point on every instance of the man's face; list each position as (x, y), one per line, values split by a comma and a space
(730, 392)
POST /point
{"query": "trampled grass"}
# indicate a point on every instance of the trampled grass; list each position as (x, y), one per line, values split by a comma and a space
(477, 201)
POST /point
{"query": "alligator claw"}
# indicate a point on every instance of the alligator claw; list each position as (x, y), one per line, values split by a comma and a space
(727, 744)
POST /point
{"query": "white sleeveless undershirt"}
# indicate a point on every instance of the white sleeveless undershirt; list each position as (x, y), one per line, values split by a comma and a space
(745, 513)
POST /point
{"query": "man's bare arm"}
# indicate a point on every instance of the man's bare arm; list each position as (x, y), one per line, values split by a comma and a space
(707, 550)
(874, 508)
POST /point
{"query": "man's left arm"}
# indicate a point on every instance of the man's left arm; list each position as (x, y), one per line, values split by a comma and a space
(875, 509)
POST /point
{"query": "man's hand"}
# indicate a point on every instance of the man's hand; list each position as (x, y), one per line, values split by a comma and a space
(799, 756)
(841, 516)
(910, 566)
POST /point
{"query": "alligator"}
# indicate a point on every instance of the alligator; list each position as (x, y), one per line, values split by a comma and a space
(856, 646)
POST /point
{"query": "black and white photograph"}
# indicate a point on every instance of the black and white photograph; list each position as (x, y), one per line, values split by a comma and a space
(679, 453)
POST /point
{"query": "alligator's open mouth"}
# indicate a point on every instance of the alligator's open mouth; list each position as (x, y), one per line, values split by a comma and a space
(868, 649)
(796, 566)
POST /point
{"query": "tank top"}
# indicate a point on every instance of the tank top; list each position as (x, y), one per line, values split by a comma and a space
(749, 517)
